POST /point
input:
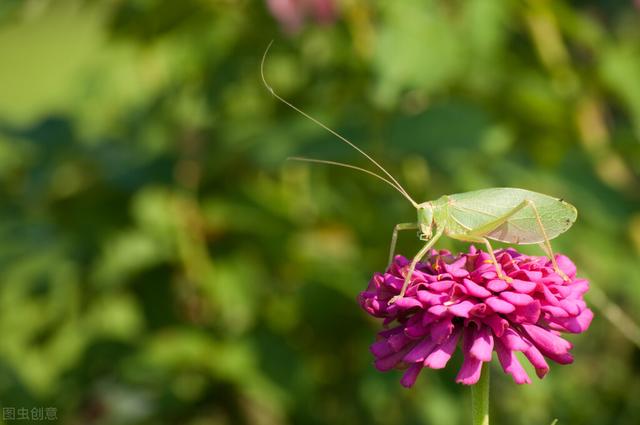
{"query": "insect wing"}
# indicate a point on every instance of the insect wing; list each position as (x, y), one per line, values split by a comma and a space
(472, 210)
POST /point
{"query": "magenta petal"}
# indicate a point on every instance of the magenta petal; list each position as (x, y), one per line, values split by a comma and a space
(526, 313)
(579, 287)
(410, 376)
(462, 308)
(428, 298)
(511, 365)
(415, 327)
(387, 333)
(566, 265)
(516, 298)
(441, 286)
(441, 355)
(428, 319)
(476, 290)
(469, 373)
(546, 341)
(523, 286)
(482, 346)
(478, 310)
(498, 324)
(565, 358)
(416, 331)
(438, 310)
(554, 311)
(420, 351)
(497, 285)
(549, 297)
(387, 363)
(399, 341)
(407, 303)
(570, 306)
(499, 306)
(441, 330)
(537, 360)
(576, 324)
(381, 348)
(513, 341)
(531, 276)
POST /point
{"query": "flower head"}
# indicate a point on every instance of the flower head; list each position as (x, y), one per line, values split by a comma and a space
(292, 14)
(460, 299)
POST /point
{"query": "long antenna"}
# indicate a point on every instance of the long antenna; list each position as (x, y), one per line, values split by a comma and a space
(342, 138)
(353, 167)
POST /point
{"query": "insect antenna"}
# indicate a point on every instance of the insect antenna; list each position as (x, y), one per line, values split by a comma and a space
(396, 184)
(353, 167)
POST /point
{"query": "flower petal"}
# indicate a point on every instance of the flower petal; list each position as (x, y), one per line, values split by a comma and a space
(441, 286)
(578, 323)
(529, 313)
(441, 355)
(482, 346)
(428, 298)
(441, 329)
(547, 342)
(406, 303)
(499, 306)
(498, 324)
(566, 265)
(469, 373)
(516, 298)
(537, 360)
(420, 351)
(476, 290)
(381, 348)
(523, 286)
(387, 363)
(438, 310)
(497, 285)
(410, 376)
(511, 365)
(513, 341)
(399, 341)
(462, 308)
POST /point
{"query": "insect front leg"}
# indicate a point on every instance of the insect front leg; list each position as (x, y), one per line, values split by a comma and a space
(394, 238)
(423, 251)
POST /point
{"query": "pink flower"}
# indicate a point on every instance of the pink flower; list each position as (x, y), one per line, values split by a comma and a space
(459, 299)
(292, 13)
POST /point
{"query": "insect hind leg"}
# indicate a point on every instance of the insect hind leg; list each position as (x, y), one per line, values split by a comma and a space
(487, 244)
(546, 245)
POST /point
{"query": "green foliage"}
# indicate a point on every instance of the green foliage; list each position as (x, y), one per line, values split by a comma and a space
(162, 263)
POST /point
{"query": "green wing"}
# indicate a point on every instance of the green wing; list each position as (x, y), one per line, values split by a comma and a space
(471, 210)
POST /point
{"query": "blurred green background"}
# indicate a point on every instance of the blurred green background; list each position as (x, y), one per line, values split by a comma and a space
(161, 262)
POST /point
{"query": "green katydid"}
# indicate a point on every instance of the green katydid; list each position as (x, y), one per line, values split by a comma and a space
(508, 215)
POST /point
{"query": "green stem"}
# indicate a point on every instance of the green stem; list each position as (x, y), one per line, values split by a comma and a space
(480, 398)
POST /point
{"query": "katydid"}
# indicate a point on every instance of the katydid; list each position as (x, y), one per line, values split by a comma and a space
(510, 215)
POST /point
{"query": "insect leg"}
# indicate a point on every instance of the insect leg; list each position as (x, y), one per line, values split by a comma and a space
(477, 235)
(394, 237)
(501, 274)
(423, 251)
(479, 239)
(546, 244)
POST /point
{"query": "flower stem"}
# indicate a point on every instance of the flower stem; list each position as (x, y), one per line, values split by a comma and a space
(480, 398)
